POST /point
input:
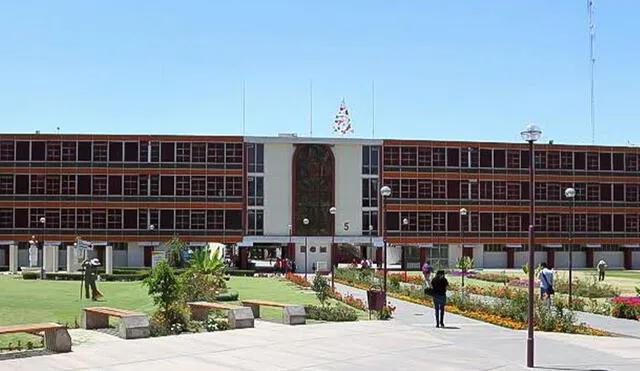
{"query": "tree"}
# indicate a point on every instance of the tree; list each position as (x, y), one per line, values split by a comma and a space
(175, 248)
(204, 261)
(321, 288)
(163, 285)
(465, 264)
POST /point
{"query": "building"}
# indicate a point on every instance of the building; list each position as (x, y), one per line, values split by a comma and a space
(128, 193)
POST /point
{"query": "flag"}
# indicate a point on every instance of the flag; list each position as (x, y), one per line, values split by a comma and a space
(342, 122)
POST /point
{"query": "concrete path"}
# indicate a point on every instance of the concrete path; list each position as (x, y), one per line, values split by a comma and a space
(619, 326)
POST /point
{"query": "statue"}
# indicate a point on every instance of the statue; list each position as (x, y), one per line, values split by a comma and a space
(90, 268)
(33, 254)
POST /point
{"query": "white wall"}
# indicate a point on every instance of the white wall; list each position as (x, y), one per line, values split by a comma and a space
(478, 256)
(277, 188)
(120, 258)
(314, 257)
(135, 255)
(62, 257)
(394, 255)
(494, 259)
(455, 252)
(635, 255)
(614, 259)
(348, 188)
(579, 259)
(522, 257)
(2, 260)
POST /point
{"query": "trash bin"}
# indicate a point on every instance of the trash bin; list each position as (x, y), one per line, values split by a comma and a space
(376, 299)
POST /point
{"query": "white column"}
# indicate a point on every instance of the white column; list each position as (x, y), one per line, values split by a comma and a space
(72, 259)
(47, 258)
(55, 259)
(13, 258)
(108, 260)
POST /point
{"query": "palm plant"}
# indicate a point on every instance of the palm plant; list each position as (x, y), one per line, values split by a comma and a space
(207, 262)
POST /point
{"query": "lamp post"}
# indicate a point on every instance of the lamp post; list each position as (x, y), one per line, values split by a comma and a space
(43, 221)
(305, 221)
(385, 191)
(371, 242)
(530, 134)
(463, 213)
(332, 211)
(290, 229)
(405, 222)
(570, 194)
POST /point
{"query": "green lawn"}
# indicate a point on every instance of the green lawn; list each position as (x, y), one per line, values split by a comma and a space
(33, 301)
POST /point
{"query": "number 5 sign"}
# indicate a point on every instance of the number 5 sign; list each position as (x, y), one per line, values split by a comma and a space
(346, 226)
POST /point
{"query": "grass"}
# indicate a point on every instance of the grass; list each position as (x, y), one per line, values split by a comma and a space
(35, 301)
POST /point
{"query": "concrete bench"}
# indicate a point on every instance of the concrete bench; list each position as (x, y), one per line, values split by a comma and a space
(239, 317)
(132, 325)
(56, 337)
(292, 314)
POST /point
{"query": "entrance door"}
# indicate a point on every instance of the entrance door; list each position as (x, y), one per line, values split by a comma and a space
(467, 251)
(148, 251)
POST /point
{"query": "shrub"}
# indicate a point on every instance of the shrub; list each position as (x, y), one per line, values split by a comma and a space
(492, 277)
(300, 281)
(196, 286)
(338, 313)
(163, 285)
(216, 321)
(626, 307)
(553, 318)
(241, 272)
(204, 261)
(638, 290)
(227, 295)
(170, 320)
(598, 307)
(589, 288)
(321, 288)
(30, 275)
(386, 312)
(394, 282)
(465, 264)
(175, 252)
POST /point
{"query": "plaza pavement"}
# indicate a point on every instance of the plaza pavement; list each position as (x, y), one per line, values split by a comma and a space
(408, 342)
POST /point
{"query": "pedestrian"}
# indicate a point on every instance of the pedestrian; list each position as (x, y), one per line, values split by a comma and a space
(439, 285)
(276, 266)
(90, 275)
(602, 266)
(546, 283)
(426, 272)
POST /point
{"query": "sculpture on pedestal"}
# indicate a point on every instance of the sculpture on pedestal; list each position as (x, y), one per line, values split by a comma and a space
(33, 253)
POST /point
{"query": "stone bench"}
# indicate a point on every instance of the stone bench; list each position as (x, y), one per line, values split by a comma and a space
(292, 314)
(239, 317)
(132, 325)
(56, 337)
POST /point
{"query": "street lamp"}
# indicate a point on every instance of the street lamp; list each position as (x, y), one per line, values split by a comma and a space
(290, 229)
(570, 193)
(530, 134)
(43, 221)
(385, 191)
(332, 211)
(305, 221)
(463, 213)
(405, 221)
(371, 243)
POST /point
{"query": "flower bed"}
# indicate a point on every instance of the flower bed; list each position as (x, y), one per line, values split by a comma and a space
(350, 300)
(626, 307)
(300, 281)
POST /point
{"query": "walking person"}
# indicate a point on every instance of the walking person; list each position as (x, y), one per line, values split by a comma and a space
(546, 283)
(426, 272)
(602, 267)
(90, 275)
(439, 289)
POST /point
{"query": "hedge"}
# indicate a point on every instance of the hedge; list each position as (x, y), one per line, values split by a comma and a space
(229, 295)
(241, 272)
(30, 275)
(4, 268)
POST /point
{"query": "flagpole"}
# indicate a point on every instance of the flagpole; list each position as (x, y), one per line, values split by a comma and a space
(244, 125)
(373, 109)
(310, 108)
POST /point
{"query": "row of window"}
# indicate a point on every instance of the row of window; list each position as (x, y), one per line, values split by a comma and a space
(564, 247)
(509, 222)
(118, 151)
(424, 189)
(118, 219)
(126, 185)
(424, 156)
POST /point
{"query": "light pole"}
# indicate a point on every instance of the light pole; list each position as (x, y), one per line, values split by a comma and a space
(305, 221)
(332, 211)
(530, 134)
(570, 193)
(385, 191)
(371, 243)
(405, 222)
(463, 213)
(290, 229)
(43, 221)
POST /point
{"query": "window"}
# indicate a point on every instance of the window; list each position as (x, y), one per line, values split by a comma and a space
(69, 151)
(115, 219)
(99, 151)
(233, 185)
(439, 256)
(143, 185)
(115, 184)
(593, 223)
(593, 160)
(553, 223)
(632, 192)
(439, 221)
(605, 161)
(408, 188)
(143, 219)
(233, 153)
(130, 185)
(423, 186)
(183, 152)
(54, 151)
(166, 219)
(167, 153)
(581, 222)
(199, 152)
(130, 219)
(215, 186)
(424, 222)
(6, 184)
(553, 160)
(6, 218)
(53, 184)
(182, 219)
(424, 157)
(52, 218)
(68, 184)
(21, 184)
(84, 151)
(439, 189)
(155, 152)
(256, 222)
(215, 220)
(408, 156)
(198, 186)
(21, 218)
(233, 220)
(581, 191)
(486, 158)
(513, 222)
(154, 185)
(198, 219)
(513, 159)
(369, 159)
(541, 191)
(144, 151)
(618, 192)
(115, 151)
(566, 160)
(22, 150)
(166, 185)
(131, 152)
(99, 185)
(183, 188)
(513, 190)
(154, 218)
(37, 184)
(256, 191)
(439, 157)
(499, 190)
(499, 222)
(67, 218)
(469, 157)
(554, 192)
(83, 218)
(370, 218)
(499, 158)
(540, 159)
(392, 156)
(631, 223)
(486, 190)
(618, 161)
(593, 192)
(7, 150)
(38, 151)
(215, 153)
(631, 162)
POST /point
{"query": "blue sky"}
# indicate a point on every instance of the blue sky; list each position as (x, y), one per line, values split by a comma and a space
(470, 70)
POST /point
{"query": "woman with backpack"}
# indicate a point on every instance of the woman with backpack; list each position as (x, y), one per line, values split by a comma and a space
(439, 290)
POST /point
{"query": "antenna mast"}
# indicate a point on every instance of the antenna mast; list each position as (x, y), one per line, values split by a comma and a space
(592, 59)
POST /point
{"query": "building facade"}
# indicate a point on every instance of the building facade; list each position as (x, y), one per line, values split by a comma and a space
(129, 193)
